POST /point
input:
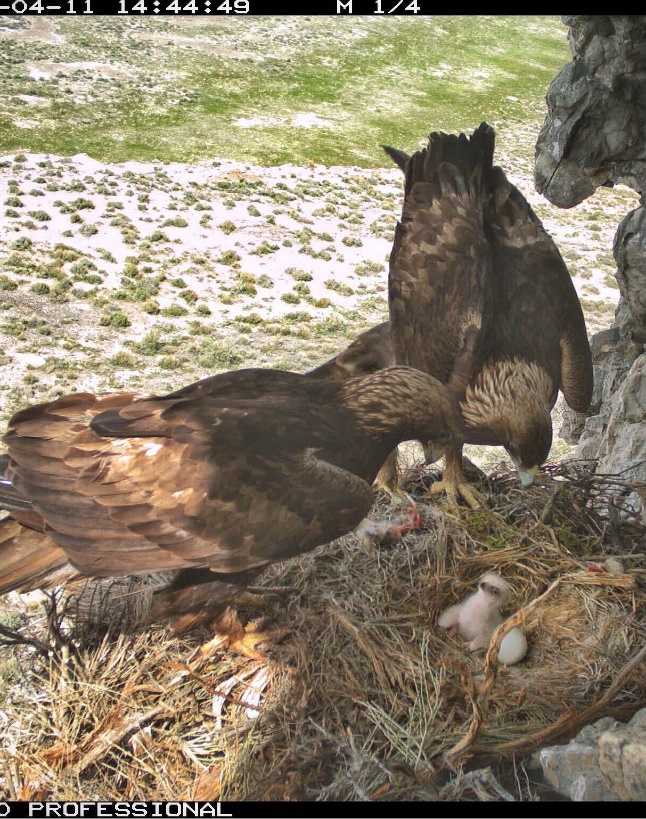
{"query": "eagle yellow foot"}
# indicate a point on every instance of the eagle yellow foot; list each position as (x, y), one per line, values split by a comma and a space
(231, 635)
(471, 496)
(388, 479)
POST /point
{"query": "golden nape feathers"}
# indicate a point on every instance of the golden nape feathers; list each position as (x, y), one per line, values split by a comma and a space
(214, 481)
(481, 299)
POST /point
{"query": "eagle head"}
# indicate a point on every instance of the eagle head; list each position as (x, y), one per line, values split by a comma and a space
(509, 404)
(529, 443)
(493, 586)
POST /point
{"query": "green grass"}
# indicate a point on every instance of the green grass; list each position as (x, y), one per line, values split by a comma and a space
(373, 79)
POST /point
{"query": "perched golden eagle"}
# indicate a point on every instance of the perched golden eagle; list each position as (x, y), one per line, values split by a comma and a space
(214, 481)
(481, 299)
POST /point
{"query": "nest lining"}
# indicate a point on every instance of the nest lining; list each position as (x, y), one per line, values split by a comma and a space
(363, 696)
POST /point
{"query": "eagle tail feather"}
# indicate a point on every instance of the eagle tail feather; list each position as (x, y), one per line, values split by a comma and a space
(458, 163)
(30, 560)
(400, 158)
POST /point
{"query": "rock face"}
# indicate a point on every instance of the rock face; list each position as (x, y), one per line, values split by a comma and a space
(606, 761)
(573, 769)
(595, 134)
(594, 131)
(622, 758)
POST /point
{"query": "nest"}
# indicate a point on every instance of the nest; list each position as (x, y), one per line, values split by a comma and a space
(360, 696)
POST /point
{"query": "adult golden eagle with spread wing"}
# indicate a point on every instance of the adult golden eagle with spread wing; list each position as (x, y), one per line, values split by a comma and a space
(480, 298)
(213, 481)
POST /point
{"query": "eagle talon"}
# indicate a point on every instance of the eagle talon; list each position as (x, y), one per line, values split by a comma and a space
(387, 479)
(395, 494)
(471, 496)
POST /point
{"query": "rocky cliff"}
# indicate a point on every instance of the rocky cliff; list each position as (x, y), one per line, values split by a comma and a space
(594, 135)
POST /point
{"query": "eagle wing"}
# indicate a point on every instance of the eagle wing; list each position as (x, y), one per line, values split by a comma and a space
(534, 288)
(440, 260)
(204, 477)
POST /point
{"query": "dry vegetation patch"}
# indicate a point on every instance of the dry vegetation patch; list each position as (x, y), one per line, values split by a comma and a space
(361, 696)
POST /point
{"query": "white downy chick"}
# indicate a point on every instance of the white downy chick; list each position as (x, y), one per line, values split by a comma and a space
(477, 617)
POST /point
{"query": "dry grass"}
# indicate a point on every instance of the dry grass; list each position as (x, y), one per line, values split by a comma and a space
(363, 697)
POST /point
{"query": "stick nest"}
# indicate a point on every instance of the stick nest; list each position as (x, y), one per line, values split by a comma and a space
(362, 696)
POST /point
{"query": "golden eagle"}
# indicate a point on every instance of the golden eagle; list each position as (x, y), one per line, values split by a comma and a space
(214, 481)
(480, 298)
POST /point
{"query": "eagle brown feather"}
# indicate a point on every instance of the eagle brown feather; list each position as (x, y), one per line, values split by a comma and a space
(372, 350)
(215, 480)
(480, 297)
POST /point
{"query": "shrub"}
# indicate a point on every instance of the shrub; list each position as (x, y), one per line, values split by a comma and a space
(123, 360)
(229, 257)
(263, 249)
(339, 287)
(174, 310)
(82, 204)
(115, 319)
(106, 255)
(189, 296)
(159, 236)
(299, 275)
(7, 284)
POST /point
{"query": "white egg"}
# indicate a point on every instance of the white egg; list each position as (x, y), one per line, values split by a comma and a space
(513, 647)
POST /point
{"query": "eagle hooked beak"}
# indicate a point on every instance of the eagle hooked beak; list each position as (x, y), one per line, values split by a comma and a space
(527, 476)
